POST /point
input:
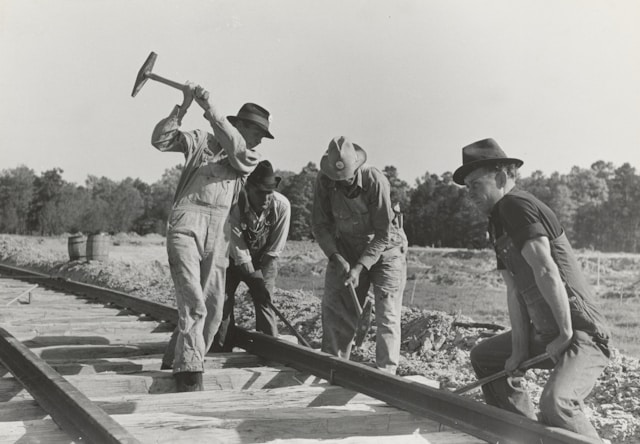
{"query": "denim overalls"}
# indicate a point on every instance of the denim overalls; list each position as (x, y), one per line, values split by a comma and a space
(354, 231)
(573, 376)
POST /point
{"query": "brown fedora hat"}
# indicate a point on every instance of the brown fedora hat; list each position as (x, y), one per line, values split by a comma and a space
(256, 114)
(262, 177)
(481, 153)
(342, 159)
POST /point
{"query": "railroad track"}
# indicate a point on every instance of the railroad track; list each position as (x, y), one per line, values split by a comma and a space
(82, 364)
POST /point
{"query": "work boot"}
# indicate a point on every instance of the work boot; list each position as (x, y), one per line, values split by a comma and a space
(189, 382)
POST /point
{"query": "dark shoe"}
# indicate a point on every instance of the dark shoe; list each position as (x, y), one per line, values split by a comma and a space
(189, 382)
(165, 366)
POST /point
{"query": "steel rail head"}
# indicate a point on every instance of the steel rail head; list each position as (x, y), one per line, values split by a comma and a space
(70, 409)
(483, 421)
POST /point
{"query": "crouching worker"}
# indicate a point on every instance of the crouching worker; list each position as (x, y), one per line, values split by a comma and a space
(259, 230)
(356, 228)
(198, 229)
(550, 304)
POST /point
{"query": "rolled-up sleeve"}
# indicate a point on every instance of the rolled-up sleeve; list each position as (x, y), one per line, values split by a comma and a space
(322, 222)
(381, 214)
(167, 136)
(280, 229)
(241, 158)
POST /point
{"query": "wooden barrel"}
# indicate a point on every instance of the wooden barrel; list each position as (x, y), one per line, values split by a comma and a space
(77, 246)
(98, 247)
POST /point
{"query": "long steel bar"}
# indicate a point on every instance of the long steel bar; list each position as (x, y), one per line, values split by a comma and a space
(83, 420)
(155, 310)
(482, 421)
(485, 422)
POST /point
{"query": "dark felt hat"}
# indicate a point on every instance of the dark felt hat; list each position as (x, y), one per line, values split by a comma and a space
(263, 177)
(255, 114)
(481, 153)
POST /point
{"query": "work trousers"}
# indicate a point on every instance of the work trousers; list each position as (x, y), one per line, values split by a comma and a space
(198, 249)
(572, 378)
(265, 317)
(339, 317)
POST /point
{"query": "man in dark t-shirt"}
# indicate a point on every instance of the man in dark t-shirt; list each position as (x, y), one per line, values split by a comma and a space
(551, 306)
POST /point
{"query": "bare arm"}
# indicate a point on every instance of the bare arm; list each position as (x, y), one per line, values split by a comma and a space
(537, 253)
(519, 325)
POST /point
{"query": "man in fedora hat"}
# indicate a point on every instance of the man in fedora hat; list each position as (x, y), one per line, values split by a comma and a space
(355, 225)
(259, 230)
(550, 304)
(198, 232)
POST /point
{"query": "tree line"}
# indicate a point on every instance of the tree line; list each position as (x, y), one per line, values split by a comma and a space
(599, 206)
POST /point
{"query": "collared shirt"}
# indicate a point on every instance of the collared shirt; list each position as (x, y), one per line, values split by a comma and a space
(215, 164)
(358, 226)
(253, 236)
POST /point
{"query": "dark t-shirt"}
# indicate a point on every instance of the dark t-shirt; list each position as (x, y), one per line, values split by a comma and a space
(523, 217)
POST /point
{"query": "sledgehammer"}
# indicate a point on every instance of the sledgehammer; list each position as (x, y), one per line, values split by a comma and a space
(145, 73)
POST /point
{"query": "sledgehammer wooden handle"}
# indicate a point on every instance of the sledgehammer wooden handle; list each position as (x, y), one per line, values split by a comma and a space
(501, 374)
(354, 297)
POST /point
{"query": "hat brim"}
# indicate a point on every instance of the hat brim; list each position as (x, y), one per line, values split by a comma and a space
(267, 187)
(334, 174)
(234, 119)
(461, 173)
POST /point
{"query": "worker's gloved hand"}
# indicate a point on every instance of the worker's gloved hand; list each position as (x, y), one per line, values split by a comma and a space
(258, 289)
(341, 264)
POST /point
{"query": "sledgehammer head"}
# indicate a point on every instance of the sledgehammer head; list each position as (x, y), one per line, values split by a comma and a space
(144, 72)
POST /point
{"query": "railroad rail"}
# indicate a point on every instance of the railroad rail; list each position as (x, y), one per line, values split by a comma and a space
(81, 364)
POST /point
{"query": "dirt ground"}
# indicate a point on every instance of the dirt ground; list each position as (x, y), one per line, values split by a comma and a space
(433, 344)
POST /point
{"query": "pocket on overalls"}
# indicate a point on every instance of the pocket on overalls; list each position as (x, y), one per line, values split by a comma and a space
(352, 217)
(213, 186)
(181, 222)
(539, 311)
(388, 272)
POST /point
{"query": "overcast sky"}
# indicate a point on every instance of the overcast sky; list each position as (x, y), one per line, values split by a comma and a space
(555, 82)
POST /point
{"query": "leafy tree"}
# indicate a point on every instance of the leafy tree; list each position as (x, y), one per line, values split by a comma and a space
(47, 188)
(16, 193)
(400, 190)
(126, 205)
(162, 193)
(299, 190)
(440, 214)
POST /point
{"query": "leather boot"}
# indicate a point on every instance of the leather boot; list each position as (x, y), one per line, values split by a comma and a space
(189, 382)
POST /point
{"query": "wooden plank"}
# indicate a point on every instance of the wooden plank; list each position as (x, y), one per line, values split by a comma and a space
(153, 362)
(113, 329)
(69, 408)
(163, 382)
(203, 403)
(316, 425)
(79, 317)
(92, 338)
(63, 348)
